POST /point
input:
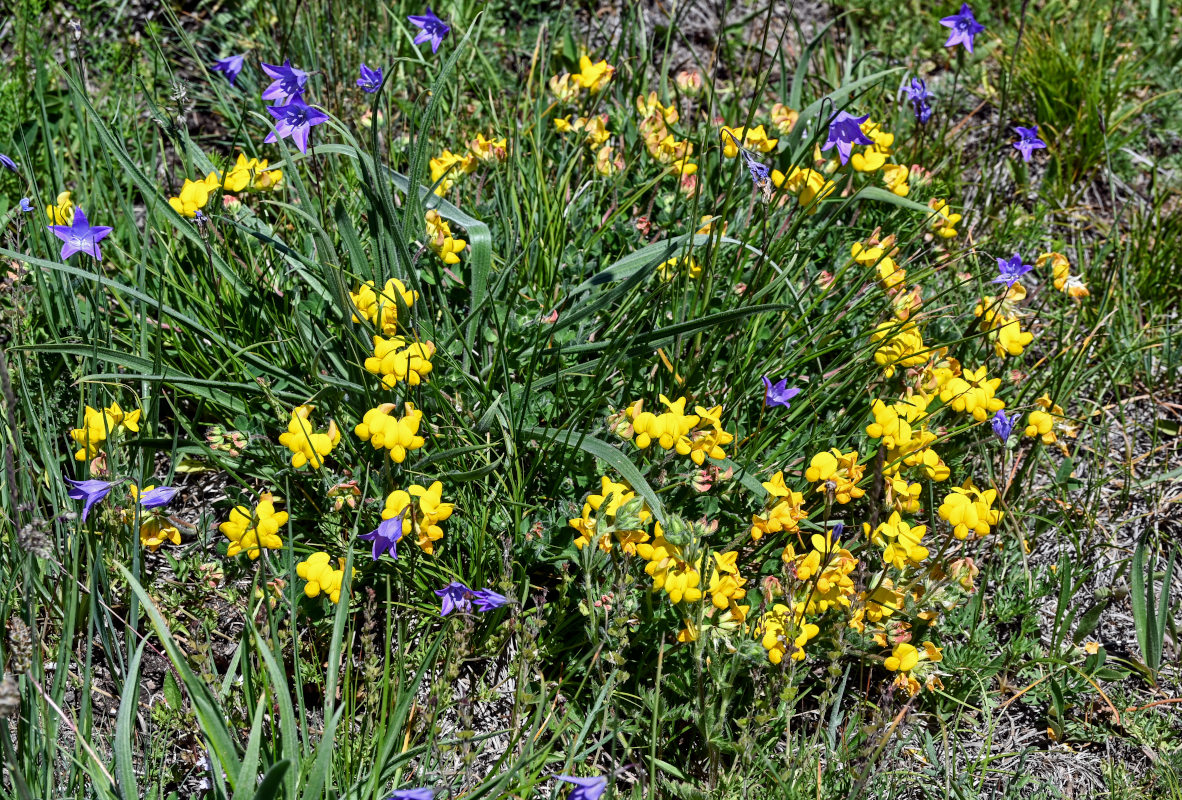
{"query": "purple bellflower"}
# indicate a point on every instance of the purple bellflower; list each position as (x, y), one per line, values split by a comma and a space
(80, 236)
(370, 80)
(1003, 426)
(288, 84)
(295, 120)
(487, 600)
(26, 205)
(413, 794)
(231, 66)
(1011, 270)
(160, 496)
(777, 394)
(92, 491)
(845, 131)
(386, 536)
(8, 164)
(456, 597)
(964, 27)
(585, 788)
(1029, 142)
(921, 98)
(431, 29)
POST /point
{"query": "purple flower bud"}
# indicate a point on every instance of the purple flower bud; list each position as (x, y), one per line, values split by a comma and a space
(9, 164)
(160, 496)
(1003, 426)
(231, 67)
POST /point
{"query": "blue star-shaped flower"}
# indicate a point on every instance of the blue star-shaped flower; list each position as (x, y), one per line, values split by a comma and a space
(370, 80)
(1011, 270)
(1003, 426)
(386, 536)
(431, 29)
(777, 394)
(845, 131)
(288, 85)
(295, 120)
(964, 27)
(1028, 142)
(80, 236)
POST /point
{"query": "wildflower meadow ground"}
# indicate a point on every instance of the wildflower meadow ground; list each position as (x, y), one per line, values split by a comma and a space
(593, 400)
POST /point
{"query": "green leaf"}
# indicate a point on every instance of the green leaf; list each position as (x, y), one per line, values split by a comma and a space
(269, 787)
(125, 726)
(172, 692)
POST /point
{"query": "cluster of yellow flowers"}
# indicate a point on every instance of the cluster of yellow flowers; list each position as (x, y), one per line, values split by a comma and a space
(836, 474)
(881, 256)
(246, 174)
(425, 512)
(321, 576)
(441, 240)
(381, 307)
(1001, 318)
(661, 144)
(592, 77)
(969, 510)
(668, 270)
(398, 435)
(398, 361)
(699, 435)
(155, 527)
(447, 167)
(943, 221)
(252, 531)
(98, 426)
(306, 445)
(1071, 285)
(616, 514)
(875, 158)
(783, 509)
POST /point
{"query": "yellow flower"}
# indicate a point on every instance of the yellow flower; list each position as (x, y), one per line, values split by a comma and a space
(970, 510)
(448, 166)
(651, 107)
(902, 346)
(1064, 281)
(784, 512)
(899, 540)
(911, 663)
(398, 361)
(593, 77)
(488, 149)
(193, 197)
(726, 585)
(265, 179)
(874, 156)
(901, 495)
(676, 153)
(381, 307)
(1040, 423)
(240, 175)
(903, 658)
(784, 118)
(668, 270)
(397, 435)
(307, 446)
(251, 532)
(837, 474)
(156, 530)
(97, 426)
(670, 429)
(318, 571)
(605, 505)
(709, 443)
(427, 512)
(1009, 338)
(440, 239)
(608, 163)
(943, 221)
(973, 393)
(808, 185)
(783, 632)
(564, 87)
(895, 177)
(63, 212)
(755, 139)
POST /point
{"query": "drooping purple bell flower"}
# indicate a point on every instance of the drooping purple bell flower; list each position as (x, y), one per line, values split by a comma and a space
(845, 131)
(91, 491)
(231, 67)
(431, 29)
